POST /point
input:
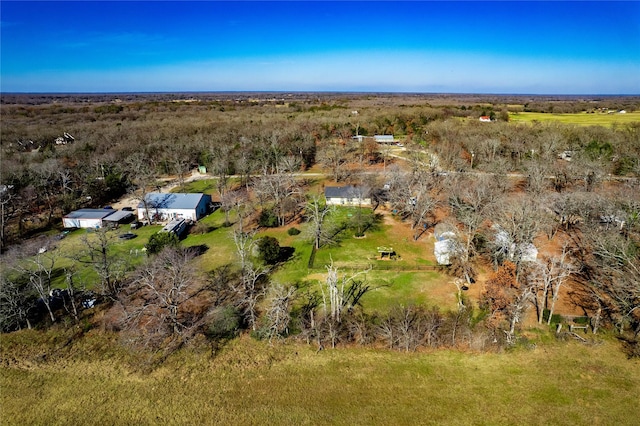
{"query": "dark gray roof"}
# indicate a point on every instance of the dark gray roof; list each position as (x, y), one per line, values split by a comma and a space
(177, 201)
(346, 192)
(118, 215)
(90, 213)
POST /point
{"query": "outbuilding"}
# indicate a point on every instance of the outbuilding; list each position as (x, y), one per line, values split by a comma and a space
(86, 218)
(446, 245)
(168, 206)
(384, 139)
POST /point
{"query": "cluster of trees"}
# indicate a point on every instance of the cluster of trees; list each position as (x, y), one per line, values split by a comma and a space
(501, 187)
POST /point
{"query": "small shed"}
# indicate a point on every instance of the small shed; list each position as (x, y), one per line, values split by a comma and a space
(348, 195)
(384, 139)
(86, 218)
(168, 206)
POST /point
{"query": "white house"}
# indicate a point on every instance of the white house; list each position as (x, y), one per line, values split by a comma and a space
(170, 206)
(86, 218)
(347, 195)
(485, 119)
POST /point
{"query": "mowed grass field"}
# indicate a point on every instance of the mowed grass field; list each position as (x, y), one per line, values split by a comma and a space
(95, 382)
(582, 119)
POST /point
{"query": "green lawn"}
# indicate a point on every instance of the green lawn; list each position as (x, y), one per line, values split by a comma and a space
(582, 119)
(394, 282)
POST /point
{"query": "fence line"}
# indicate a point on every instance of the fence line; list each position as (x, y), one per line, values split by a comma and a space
(382, 266)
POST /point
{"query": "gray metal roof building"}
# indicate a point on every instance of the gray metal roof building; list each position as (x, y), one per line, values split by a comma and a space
(86, 218)
(167, 206)
(89, 214)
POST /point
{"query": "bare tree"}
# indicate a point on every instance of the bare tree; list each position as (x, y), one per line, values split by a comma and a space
(160, 300)
(15, 302)
(537, 177)
(7, 210)
(548, 275)
(143, 176)
(111, 267)
(339, 296)
(519, 219)
(278, 314)
(506, 299)
(411, 196)
(471, 203)
(410, 326)
(252, 286)
(610, 266)
(219, 164)
(334, 155)
(317, 213)
(37, 265)
(281, 188)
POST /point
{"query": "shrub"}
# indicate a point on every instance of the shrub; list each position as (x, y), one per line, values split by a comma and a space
(269, 249)
(555, 318)
(268, 219)
(160, 240)
(200, 228)
(293, 231)
(225, 324)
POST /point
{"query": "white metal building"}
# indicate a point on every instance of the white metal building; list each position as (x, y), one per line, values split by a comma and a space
(168, 206)
(86, 218)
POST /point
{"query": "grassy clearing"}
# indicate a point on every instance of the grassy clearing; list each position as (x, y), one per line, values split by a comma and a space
(250, 382)
(401, 283)
(582, 119)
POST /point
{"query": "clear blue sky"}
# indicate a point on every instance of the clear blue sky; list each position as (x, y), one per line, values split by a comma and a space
(543, 47)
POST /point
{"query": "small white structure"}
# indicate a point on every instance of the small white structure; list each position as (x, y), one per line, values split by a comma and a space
(485, 119)
(347, 195)
(64, 139)
(176, 226)
(86, 218)
(565, 155)
(509, 250)
(446, 244)
(384, 139)
(443, 250)
(170, 206)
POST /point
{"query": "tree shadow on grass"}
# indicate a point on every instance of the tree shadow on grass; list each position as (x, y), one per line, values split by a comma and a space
(198, 250)
(285, 254)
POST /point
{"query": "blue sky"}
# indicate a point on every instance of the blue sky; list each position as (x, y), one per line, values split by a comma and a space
(542, 47)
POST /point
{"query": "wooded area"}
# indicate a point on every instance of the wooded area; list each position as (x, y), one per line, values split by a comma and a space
(501, 187)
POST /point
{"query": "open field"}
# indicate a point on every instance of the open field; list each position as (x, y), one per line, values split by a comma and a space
(93, 381)
(582, 119)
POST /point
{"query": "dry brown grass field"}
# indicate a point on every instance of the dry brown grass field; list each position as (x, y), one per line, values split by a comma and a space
(93, 380)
